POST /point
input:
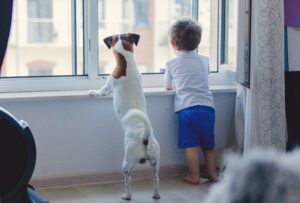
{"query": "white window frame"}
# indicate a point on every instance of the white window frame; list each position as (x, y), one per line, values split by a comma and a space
(243, 37)
(224, 66)
(244, 42)
(239, 73)
(92, 80)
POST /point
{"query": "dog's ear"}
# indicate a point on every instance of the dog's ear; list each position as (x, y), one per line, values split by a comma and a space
(108, 41)
(134, 38)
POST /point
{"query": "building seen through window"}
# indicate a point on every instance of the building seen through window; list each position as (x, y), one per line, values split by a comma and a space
(151, 19)
(40, 68)
(229, 32)
(101, 13)
(183, 8)
(40, 25)
(141, 9)
(43, 30)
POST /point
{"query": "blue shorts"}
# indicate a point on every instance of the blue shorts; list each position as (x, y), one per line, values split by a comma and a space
(196, 127)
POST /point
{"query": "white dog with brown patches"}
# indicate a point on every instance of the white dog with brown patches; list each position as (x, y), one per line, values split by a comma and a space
(130, 109)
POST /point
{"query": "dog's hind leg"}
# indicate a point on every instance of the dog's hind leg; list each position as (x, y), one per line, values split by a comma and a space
(155, 169)
(126, 169)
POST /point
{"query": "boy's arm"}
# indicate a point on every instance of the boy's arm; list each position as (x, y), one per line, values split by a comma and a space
(168, 79)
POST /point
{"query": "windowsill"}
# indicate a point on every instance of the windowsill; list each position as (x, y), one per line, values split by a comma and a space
(229, 72)
(84, 93)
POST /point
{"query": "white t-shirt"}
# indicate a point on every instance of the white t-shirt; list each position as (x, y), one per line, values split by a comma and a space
(188, 73)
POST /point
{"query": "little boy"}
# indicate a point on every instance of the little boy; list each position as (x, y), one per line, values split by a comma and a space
(187, 74)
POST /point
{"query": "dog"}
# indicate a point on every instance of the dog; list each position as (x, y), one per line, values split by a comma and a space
(130, 108)
(262, 175)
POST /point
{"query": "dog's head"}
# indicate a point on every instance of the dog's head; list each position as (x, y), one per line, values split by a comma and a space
(127, 39)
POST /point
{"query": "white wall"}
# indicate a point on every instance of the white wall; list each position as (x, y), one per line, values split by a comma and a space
(82, 135)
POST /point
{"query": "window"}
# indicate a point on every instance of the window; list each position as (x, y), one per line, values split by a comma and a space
(150, 19)
(40, 25)
(183, 8)
(69, 34)
(101, 13)
(40, 68)
(229, 32)
(126, 9)
(45, 30)
(141, 8)
(208, 45)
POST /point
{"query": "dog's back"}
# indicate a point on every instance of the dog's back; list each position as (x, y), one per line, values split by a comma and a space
(128, 92)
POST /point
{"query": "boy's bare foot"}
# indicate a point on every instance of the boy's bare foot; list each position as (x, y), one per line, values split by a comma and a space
(191, 180)
(213, 178)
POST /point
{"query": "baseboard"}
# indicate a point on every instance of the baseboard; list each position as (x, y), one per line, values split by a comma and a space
(104, 177)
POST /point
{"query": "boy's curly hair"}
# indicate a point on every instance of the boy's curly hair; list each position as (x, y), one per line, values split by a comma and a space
(185, 34)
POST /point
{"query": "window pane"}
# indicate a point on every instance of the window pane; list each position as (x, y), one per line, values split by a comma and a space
(150, 19)
(204, 20)
(140, 8)
(40, 32)
(40, 42)
(79, 38)
(39, 9)
(230, 32)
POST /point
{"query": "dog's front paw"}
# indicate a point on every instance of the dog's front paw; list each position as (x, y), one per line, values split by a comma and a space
(126, 196)
(156, 196)
(101, 92)
(93, 93)
(105, 91)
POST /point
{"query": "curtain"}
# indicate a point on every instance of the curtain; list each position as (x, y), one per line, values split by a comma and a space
(240, 111)
(5, 21)
(262, 123)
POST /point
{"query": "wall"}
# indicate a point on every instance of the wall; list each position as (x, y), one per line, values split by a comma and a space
(82, 135)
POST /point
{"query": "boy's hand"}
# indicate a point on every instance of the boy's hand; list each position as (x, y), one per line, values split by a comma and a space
(168, 86)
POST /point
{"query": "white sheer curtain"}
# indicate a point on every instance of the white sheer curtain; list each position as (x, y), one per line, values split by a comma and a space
(260, 110)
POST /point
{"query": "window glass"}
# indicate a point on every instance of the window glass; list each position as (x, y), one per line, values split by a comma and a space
(151, 19)
(204, 12)
(230, 30)
(101, 13)
(42, 30)
(79, 61)
(40, 68)
(183, 8)
(50, 30)
(40, 21)
(141, 17)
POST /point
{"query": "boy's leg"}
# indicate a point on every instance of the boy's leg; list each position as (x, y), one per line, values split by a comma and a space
(192, 159)
(210, 156)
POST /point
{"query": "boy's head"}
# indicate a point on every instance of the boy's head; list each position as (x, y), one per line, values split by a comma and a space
(185, 35)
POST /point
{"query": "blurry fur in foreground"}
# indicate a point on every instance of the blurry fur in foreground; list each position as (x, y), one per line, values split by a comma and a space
(259, 177)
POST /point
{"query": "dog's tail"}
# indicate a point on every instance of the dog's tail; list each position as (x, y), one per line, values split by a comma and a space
(141, 116)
